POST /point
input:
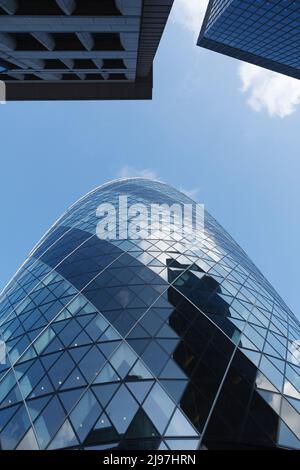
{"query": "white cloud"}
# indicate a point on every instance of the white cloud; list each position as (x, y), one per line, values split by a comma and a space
(128, 171)
(268, 91)
(189, 14)
(193, 193)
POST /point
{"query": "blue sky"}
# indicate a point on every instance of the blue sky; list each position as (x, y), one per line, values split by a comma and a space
(236, 151)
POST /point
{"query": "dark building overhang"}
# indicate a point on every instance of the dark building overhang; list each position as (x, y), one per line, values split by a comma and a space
(140, 89)
(74, 52)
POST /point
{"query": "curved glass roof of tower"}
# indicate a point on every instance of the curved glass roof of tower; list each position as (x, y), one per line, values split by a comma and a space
(145, 343)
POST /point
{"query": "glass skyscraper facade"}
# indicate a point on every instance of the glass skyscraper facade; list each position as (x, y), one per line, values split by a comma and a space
(265, 33)
(152, 343)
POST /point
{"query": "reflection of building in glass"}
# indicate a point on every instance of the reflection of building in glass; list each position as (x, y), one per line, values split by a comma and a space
(263, 33)
(145, 344)
(204, 292)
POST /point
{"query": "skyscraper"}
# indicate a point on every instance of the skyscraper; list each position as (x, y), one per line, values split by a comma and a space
(80, 49)
(264, 33)
(145, 343)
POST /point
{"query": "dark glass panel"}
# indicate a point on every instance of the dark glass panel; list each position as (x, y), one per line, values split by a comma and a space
(14, 430)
